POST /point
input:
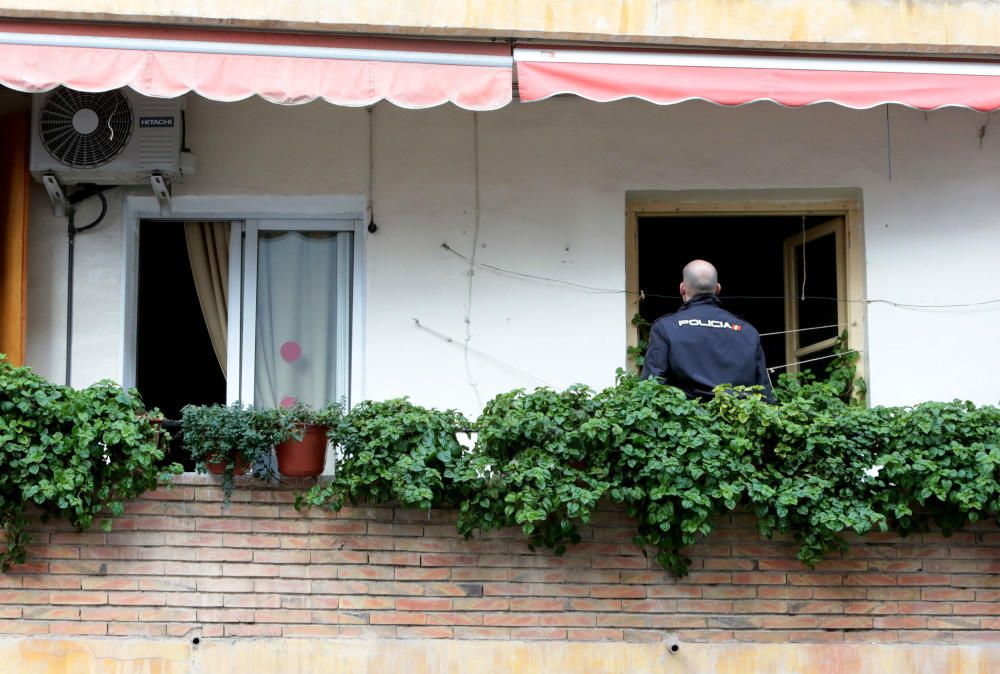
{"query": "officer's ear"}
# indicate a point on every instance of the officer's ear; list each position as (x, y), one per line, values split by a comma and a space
(683, 291)
(718, 288)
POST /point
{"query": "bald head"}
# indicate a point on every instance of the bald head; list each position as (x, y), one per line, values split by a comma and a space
(700, 278)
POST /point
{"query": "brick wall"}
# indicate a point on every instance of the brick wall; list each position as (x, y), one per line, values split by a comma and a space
(179, 564)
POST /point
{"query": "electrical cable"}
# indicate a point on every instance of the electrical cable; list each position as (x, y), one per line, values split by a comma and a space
(472, 259)
(646, 293)
(815, 327)
(482, 354)
(499, 270)
(100, 216)
(984, 128)
(451, 340)
(804, 270)
(372, 227)
(813, 360)
(888, 142)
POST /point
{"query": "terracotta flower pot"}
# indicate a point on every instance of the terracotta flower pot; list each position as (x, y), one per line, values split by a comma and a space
(305, 457)
(218, 466)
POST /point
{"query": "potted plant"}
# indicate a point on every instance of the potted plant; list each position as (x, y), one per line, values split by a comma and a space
(228, 440)
(302, 434)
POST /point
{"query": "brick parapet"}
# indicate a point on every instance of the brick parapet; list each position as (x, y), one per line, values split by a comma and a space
(181, 564)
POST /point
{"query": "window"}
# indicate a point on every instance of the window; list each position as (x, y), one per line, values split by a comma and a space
(293, 342)
(767, 252)
(272, 309)
(265, 311)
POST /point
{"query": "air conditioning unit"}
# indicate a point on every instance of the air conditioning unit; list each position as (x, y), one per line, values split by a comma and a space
(107, 138)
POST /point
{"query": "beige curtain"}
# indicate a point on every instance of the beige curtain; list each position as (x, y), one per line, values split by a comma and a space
(14, 181)
(208, 250)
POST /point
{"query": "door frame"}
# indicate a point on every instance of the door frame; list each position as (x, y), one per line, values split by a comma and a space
(743, 203)
(241, 209)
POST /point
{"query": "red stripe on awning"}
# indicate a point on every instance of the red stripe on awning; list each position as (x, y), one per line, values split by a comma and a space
(281, 68)
(666, 78)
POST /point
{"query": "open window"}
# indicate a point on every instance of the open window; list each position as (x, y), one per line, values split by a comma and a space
(815, 295)
(789, 269)
(176, 361)
(257, 311)
(180, 342)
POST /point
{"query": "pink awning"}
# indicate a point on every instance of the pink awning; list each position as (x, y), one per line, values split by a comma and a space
(279, 67)
(728, 79)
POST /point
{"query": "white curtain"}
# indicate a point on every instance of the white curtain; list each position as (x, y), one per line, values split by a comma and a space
(208, 251)
(301, 322)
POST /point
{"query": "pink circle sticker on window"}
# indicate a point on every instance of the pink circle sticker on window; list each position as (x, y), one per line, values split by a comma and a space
(291, 351)
(288, 401)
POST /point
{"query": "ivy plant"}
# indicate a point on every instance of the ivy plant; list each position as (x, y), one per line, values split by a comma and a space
(818, 465)
(392, 451)
(77, 455)
(239, 437)
(675, 466)
(821, 449)
(534, 466)
(941, 465)
(637, 354)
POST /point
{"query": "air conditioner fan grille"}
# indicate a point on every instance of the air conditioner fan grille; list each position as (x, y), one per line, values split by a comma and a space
(85, 130)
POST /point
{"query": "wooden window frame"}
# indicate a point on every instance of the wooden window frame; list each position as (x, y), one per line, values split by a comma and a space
(795, 351)
(854, 255)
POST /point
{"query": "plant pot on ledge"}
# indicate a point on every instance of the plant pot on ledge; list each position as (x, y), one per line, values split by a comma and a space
(217, 466)
(301, 434)
(305, 457)
(220, 436)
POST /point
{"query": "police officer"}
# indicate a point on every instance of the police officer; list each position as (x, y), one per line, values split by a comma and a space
(702, 345)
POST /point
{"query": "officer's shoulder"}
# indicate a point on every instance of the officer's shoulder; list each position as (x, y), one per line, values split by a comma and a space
(746, 325)
(665, 319)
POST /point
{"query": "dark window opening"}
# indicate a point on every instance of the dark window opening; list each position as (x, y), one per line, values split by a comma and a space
(175, 362)
(749, 252)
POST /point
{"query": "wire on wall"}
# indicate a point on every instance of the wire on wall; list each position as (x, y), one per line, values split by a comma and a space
(813, 360)
(888, 141)
(815, 327)
(482, 354)
(370, 209)
(803, 298)
(472, 259)
(645, 293)
(984, 128)
(509, 272)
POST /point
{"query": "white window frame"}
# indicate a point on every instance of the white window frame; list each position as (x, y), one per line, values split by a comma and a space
(243, 353)
(296, 213)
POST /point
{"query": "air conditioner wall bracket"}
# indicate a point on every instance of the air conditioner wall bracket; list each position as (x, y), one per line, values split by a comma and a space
(161, 189)
(60, 204)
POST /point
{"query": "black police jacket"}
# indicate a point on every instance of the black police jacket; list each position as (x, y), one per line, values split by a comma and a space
(702, 345)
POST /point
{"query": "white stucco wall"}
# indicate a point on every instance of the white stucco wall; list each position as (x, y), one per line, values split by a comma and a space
(554, 178)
